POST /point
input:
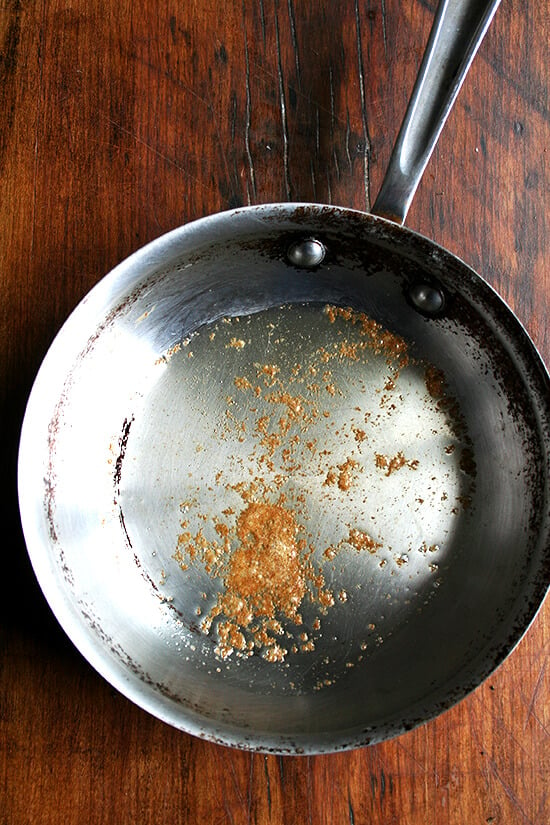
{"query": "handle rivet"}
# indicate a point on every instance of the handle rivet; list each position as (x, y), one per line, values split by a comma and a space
(427, 298)
(307, 253)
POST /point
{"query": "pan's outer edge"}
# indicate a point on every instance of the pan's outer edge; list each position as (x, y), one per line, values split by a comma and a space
(124, 280)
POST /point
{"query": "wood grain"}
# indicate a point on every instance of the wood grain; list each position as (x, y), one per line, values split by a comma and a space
(120, 121)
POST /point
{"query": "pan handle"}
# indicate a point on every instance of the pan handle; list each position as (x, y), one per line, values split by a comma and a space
(459, 27)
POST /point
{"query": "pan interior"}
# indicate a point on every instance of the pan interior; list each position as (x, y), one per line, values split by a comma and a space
(282, 506)
(292, 486)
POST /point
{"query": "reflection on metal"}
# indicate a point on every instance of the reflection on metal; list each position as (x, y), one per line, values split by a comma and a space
(306, 254)
(427, 298)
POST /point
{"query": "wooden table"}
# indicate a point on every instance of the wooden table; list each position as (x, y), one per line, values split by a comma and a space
(122, 120)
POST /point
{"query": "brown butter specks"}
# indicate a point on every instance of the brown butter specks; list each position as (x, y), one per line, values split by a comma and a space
(263, 555)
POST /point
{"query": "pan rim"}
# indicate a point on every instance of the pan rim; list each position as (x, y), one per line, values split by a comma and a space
(121, 275)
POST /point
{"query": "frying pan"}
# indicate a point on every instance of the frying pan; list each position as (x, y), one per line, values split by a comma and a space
(283, 473)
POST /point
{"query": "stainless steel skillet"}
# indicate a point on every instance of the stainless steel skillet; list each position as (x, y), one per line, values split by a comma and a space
(388, 457)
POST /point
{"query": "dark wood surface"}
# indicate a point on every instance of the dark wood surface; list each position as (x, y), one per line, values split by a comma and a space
(121, 120)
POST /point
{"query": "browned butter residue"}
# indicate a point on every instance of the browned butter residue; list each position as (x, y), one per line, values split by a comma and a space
(235, 343)
(342, 475)
(265, 575)
(265, 579)
(260, 555)
(396, 462)
(374, 335)
(362, 541)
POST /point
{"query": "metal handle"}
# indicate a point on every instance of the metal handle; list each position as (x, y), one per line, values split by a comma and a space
(458, 29)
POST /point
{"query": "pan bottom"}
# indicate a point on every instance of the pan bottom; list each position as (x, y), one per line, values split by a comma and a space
(292, 486)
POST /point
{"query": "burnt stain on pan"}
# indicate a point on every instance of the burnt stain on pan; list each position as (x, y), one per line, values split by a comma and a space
(50, 489)
(121, 517)
(130, 664)
(123, 443)
(117, 479)
(56, 421)
(520, 377)
(525, 387)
